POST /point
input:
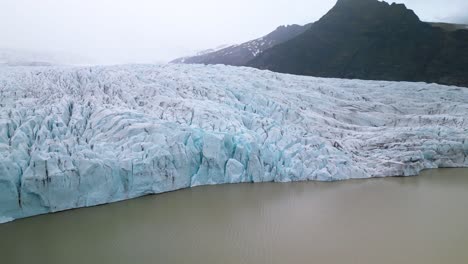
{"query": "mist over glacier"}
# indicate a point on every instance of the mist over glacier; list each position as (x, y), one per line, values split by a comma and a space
(81, 136)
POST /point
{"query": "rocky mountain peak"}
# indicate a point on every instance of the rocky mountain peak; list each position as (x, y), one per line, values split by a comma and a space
(350, 13)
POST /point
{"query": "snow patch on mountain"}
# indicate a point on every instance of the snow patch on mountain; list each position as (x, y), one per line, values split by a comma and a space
(73, 137)
(241, 54)
(220, 47)
(204, 52)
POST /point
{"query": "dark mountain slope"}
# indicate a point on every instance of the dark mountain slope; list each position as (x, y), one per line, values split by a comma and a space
(239, 55)
(368, 39)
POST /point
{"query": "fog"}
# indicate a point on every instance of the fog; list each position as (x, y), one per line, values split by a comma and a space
(146, 31)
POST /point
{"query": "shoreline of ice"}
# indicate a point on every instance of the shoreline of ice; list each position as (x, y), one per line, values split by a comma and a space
(4, 220)
(74, 137)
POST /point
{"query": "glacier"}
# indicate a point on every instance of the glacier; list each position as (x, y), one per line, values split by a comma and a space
(82, 136)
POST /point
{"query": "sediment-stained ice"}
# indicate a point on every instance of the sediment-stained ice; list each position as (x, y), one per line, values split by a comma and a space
(74, 137)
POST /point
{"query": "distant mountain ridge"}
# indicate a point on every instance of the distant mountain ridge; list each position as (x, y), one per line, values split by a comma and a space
(367, 39)
(239, 55)
(203, 52)
(19, 57)
(12, 57)
(449, 26)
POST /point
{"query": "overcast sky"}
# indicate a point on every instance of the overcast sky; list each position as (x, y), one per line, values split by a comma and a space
(145, 31)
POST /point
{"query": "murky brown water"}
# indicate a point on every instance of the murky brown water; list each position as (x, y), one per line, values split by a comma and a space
(394, 220)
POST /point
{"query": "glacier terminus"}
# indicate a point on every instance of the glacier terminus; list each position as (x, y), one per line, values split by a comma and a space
(73, 137)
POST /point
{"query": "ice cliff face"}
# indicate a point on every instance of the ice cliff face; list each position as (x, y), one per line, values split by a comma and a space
(75, 137)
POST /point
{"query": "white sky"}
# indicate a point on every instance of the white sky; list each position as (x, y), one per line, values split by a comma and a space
(144, 31)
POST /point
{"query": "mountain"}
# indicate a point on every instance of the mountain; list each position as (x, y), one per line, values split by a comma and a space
(12, 57)
(200, 53)
(369, 39)
(19, 57)
(74, 137)
(238, 55)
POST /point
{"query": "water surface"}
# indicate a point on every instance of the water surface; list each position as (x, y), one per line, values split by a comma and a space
(393, 220)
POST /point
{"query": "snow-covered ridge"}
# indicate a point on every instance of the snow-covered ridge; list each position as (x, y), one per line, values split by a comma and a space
(242, 54)
(74, 137)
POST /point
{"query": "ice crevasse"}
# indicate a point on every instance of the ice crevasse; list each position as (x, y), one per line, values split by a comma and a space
(81, 136)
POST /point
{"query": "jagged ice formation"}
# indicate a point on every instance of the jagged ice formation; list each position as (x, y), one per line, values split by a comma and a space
(74, 137)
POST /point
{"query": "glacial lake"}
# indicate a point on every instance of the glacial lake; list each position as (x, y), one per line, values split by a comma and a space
(413, 220)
